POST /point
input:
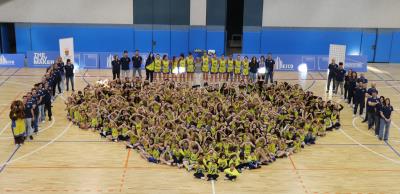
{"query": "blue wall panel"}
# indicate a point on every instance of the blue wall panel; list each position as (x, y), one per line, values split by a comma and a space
(216, 41)
(383, 45)
(162, 40)
(395, 52)
(23, 37)
(179, 42)
(251, 42)
(95, 38)
(197, 38)
(367, 43)
(143, 40)
(309, 40)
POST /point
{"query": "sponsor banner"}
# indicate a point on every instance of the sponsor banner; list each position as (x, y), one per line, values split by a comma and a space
(12, 60)
(311, 62)
(106, 58)
(41, 59)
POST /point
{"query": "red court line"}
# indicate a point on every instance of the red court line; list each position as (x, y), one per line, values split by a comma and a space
(125, 169)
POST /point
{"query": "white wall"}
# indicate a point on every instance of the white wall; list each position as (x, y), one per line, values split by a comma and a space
(332, 13)
(198, 12)
(67, 11)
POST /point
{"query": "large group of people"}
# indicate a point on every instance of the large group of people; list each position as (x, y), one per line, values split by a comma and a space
(378, 109)
(27, 114)
(206, 130)
(181, 68)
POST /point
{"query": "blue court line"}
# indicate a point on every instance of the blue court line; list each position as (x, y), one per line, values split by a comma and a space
(391, 147)
(312, 84)
(4, 81)
(12, 155)
(83, 77)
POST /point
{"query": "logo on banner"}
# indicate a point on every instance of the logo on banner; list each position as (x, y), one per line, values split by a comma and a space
(282, 66)
(109, 61)
(41, 59)
(4, 61)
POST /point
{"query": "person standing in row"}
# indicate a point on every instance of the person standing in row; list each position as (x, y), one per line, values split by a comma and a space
(60, 64)
(17, 117)
(238, 67)
(261, 65)
(137, 64)
(190, 67)
(253, 69)
(157, 67)
(125, 60)
(214, 68)
(351, 88)
(246, 68)
(222, 69)
(372, 103)
(332, 67)
(205, 66)
(386, 119)
(182, 67)
(270, 64)
(165, 67)
(359, 98)
(116, 67)
(369, 94)
(347, 83)
(69, 74)
(339, 78)
(150, 67)
(29, 116)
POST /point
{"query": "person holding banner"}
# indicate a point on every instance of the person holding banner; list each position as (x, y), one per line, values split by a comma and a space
(205, 66)
(238, 67)
(214, 68)
(182, 67)
(230, 68)
(137, 63)
(69, 73)
(165, 67)
(222, 68)
(157, 67)
(190, 67)
(269, 71)
(332, 67)
(150, 67)
(116, 67)
(125, 60)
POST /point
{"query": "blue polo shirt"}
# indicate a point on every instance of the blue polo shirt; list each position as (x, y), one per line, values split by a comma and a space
(27, 110)
(372, 109)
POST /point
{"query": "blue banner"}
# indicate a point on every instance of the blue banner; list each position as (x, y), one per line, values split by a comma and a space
(311, 62)
(12, 60)
(41, 59)
(87, 60)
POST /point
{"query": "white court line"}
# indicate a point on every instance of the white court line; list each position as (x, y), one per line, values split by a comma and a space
(212, 187)
(5, 127)
(366, 133)
(367, 148)
(40, 131)
(40, 148)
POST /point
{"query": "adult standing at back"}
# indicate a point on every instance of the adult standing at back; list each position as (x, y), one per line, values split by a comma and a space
(116, 67)
(150, 67)
(269, 68)
(332, 67)
(69, 74)
(339, 78)
(137, 63)
(386, 118)
(125, 60)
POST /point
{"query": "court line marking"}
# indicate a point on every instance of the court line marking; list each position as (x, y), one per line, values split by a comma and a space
(9, 158)
(394, 150)
(367, 148)
(40, 148)
(298, 176)
(5, 127)
(212, 187)
(11, 75)
(125, 169)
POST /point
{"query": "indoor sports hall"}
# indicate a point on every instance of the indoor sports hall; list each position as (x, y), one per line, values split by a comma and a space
(199, 96)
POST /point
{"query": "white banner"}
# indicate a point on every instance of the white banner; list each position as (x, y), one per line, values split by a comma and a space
(67, 49)
(337, 52)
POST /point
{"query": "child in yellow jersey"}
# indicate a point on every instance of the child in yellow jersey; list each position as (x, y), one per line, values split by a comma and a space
(200, 169)
(214, 68)
(182, 67)
(230, 68)
(246, 69)
(174, 69)
(231, 173)
(222, 162)
(238, 67)
(222, 68)
(190, 66)
(157, 67)
(166, 67)
(205, 66)
(252, 161)
(212, 170)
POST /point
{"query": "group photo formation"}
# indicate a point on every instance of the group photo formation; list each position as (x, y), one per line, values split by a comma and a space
(199, 96)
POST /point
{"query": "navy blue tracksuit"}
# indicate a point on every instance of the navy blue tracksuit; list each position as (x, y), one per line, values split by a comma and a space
(359, 99)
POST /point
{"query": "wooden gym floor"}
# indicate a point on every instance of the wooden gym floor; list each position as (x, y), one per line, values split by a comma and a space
(65, 159)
